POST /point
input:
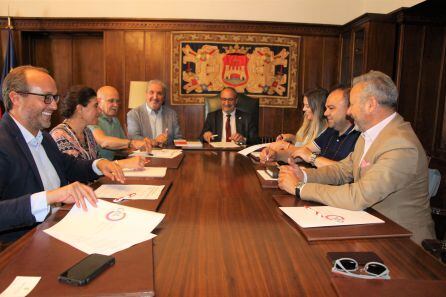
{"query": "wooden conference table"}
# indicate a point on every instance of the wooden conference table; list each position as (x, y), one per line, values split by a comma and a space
(223, 235)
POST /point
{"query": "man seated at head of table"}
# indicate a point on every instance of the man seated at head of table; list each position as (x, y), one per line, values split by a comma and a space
(154, 119)
(108, 131)
(334, 144)
(33, 173)
(80, 109)
(228, 123)
(387, 169)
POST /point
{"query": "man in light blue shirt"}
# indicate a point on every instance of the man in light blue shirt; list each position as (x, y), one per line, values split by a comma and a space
(33, 172)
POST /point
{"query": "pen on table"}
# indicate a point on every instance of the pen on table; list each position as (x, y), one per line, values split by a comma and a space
(214, 135)
(124, 197)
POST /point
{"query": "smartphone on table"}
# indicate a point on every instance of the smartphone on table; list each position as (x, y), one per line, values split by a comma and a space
(86, 270)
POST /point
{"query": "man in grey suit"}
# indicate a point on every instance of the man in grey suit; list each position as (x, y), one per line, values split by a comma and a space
(152, 119)
(387, 169)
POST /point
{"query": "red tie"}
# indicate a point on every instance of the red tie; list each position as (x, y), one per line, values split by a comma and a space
(228, 128)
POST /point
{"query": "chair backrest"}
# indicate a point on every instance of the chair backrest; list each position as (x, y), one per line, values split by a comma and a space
(244, 103)
(434, 182)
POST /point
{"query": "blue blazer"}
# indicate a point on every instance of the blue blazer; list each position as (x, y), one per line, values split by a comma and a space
(244, 125)
(19, 177)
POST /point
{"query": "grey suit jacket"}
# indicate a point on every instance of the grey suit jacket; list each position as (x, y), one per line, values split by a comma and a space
(391, 178)
(138, 123)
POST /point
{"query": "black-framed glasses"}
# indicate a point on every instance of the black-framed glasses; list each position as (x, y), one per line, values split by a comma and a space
(47, 98)
(373, 270)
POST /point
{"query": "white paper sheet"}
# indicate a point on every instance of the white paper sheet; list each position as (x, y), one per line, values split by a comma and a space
(322, 216)
(21, 286)
(265, 175)
(252, 148)
(141, 192)
(256, 154)
(146, 172)
(221, 144)
(106, 229)
(162, 153)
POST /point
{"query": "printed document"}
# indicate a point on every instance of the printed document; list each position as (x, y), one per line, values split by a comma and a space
(323, 216)
(252, 148)
(131, 192)
(162, 153)
(105, 229)
(221, 144)
(21, 286)
(146, 172)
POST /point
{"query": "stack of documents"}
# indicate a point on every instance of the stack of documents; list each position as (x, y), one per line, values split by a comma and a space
(146, 172)
(105, 229)
(218, 144)
(322, 216)
(187, 144)
(133, 192)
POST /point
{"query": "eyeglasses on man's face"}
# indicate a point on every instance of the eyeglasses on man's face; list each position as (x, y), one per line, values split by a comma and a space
(229, 99)
(47, 98)
(373, 270)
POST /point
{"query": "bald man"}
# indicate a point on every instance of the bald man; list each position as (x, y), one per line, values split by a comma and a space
(108, 133)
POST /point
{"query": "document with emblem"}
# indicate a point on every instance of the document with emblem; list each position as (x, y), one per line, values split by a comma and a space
(323, 216)
(162, 153)
(105, 229)
(132, 192)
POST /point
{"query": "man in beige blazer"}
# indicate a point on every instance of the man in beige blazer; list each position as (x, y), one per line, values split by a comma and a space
(387, 170)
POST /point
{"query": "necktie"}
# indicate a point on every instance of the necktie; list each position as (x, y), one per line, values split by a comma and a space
(228, 128)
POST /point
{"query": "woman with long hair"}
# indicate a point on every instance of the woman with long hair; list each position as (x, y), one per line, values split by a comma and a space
(313, 125)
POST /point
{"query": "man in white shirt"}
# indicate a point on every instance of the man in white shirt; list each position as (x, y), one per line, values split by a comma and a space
(228, 123)
(33, 173)
(387, 169)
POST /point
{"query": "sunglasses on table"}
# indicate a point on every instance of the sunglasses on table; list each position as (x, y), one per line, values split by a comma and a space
(373, 270)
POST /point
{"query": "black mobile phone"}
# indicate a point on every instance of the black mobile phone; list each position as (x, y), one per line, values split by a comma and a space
(87, 269)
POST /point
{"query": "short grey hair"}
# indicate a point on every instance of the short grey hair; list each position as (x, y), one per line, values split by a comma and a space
(16, 81)
(380, 86)
(157, 82)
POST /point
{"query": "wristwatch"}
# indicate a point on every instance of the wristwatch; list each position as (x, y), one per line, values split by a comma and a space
(298, 188)
(313, 158)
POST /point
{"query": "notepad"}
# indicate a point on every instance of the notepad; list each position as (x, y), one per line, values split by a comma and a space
(146, 172)
(324, 216)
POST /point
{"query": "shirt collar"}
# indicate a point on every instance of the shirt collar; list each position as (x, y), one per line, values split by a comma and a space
(151, 111)
(232, 113)
(372, 133)
(29, 138)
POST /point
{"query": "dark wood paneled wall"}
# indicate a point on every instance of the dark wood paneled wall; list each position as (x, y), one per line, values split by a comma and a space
(115, 52)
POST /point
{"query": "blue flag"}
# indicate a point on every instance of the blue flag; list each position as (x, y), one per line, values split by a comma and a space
(10, 62)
